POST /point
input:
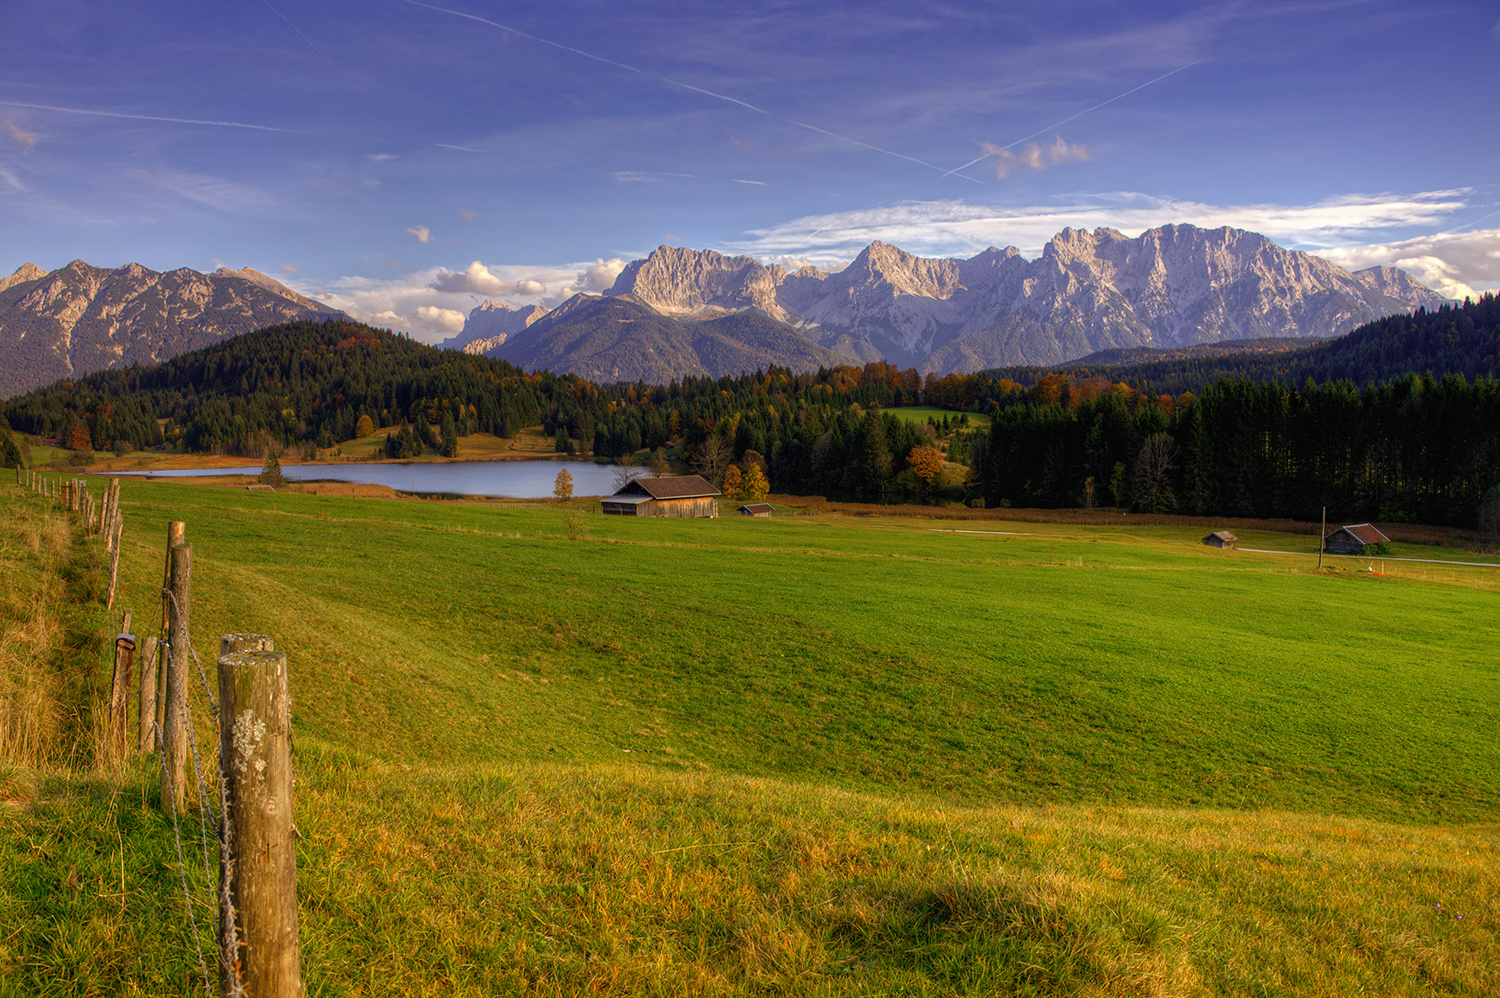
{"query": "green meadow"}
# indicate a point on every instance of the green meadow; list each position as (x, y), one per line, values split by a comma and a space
(548, 752)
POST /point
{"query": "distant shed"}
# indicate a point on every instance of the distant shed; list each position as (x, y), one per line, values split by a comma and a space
(677, 495)
(1221, 539)
(1353, 539)
(757, 509)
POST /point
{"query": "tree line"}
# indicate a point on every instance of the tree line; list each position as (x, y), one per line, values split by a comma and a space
(1405, 447)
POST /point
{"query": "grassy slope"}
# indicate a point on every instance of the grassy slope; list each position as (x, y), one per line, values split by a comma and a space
(816, 756)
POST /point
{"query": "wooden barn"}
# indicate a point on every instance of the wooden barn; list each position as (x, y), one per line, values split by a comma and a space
(679, 495)
(756, 509)
(1353, 539)
(1221, 539)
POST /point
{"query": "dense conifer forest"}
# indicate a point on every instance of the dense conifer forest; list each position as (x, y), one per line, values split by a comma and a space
(1346, 424)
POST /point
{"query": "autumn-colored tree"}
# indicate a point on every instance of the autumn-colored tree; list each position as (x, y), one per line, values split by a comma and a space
(755, 486)
(733, 482)
(927, 464)
(79, 438)
(563, 487)
(365, 427)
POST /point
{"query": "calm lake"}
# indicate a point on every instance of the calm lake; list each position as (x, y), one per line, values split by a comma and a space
(508, 479)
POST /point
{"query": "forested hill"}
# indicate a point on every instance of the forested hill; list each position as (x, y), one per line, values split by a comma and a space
(1462, 339)
(298, 382)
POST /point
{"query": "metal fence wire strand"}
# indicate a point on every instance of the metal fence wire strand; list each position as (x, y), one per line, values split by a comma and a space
(234, 987)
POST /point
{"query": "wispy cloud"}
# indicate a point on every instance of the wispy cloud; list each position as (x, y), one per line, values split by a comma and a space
(213, 192)
(449, 145)
(421, 234)
(20, 136)
(645, 177)
(668, 81)
(145, 117)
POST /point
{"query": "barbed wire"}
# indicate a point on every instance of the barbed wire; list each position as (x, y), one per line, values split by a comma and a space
(228, 945)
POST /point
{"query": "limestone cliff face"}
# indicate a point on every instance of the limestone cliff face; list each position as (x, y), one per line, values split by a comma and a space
(701, 283)
(1088, 291)
(488, 326)
(79, 319)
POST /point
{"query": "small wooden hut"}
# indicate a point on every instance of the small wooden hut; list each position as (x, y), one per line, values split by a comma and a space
(756, 509)
(1353, 539)
(678, 495)
(1221, 539)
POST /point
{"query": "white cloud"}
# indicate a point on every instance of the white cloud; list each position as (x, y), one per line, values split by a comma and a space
(447, 320)
(380, 157)
(479, 280)
(422, 234)
(599, 276)
(957, 228)
(432, 304)
(289, 268)
(1456, 264)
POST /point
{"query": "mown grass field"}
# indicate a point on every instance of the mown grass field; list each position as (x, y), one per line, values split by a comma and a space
(547, 752)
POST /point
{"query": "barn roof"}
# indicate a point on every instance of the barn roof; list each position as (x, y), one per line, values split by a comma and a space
(1365, 533)
(1223, 535)
(672, 487)
(759, 507)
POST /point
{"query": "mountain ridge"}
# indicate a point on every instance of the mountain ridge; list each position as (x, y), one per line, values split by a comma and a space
(79, 319)
(1088, 291)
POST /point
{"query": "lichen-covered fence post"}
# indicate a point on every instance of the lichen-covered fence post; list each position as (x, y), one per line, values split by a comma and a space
(255, 754)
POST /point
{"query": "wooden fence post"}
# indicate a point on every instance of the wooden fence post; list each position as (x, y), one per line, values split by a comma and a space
(113, 525)
(174, 727)
(119, 695)
(255, 753)
(146, 736)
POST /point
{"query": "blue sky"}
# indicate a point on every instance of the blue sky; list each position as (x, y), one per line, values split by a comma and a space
(405, 159)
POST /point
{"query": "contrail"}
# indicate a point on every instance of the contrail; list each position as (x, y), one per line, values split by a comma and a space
(147, 117)
(1071, 117)
(685, 86)
(310, 45)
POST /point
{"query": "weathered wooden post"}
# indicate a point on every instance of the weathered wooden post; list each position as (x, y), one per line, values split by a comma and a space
(174, 727)
(146, 719)
(119, 695)
(256, 759)
(114, 526)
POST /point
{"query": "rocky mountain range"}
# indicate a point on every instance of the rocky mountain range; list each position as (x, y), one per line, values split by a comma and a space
(79, 319)
(1087, 292)
(488, 325)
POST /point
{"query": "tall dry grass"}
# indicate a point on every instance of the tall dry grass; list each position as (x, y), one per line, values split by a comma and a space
(48, 711)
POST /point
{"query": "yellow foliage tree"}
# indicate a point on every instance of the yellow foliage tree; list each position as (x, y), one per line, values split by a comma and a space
(365, 427)
(755, 486)
(563, 488)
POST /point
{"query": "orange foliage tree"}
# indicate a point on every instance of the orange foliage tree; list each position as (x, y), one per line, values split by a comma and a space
(927, 464)
(733, 482)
